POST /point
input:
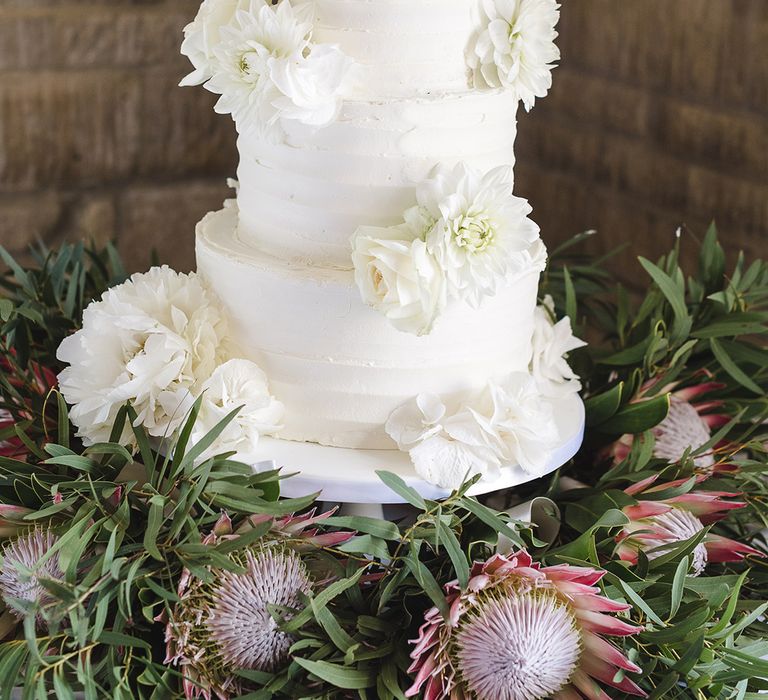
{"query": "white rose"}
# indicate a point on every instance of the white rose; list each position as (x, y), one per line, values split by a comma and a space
(147, 341)
(235, 384)
(552, 341)
(397, 276)
(482, 232)
(515, 47)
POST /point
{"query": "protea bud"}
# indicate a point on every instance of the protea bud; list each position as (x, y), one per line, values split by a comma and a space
(24, 566)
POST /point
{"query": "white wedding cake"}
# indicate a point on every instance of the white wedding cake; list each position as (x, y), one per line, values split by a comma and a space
(375, 263)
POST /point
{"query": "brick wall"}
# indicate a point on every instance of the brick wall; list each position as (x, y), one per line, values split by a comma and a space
(658, 116)
(96, 140)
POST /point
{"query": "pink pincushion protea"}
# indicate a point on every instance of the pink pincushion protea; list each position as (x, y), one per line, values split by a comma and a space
(521, 631)
(225, 624)
(657, 525)
(688, 424)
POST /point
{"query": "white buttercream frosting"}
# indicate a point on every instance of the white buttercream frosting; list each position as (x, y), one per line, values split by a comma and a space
(304, 199)
(336, 364)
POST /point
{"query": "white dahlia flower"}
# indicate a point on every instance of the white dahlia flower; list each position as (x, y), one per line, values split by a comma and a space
(149, 341)
(481, 231)
(266, 68)
(201, 37)
(237, 384)
(398, 276)
(508, 424)
(552, 341)
(22, 570)
(515, 47)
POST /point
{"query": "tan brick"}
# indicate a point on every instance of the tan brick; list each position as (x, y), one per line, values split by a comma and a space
(180, 132)
(163, 218)
(67, 128)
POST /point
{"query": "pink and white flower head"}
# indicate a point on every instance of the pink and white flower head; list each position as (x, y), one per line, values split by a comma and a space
(656, 526)
(521, 631)
(225, 623)
(687, 426)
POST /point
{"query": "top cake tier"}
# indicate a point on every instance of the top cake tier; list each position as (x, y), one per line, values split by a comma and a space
(402, 47)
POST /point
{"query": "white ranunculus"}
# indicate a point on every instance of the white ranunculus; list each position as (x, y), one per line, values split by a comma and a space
(552, 341)
(149, 341)
(399, 277)
(235, 384)
(312, 86)
(482, 231)
(201, 37)
(522, 424)
(515, 47)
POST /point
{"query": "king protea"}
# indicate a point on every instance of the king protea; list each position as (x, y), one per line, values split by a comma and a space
(687, 426)
(225, 623)
(520, 631)
(657, 525)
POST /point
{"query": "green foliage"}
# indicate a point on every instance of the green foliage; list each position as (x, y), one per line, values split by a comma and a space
(131, 520)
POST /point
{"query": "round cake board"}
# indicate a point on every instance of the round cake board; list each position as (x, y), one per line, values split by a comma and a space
(348, 476)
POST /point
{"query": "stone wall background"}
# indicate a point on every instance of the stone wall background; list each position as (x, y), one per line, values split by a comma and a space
(658, 117)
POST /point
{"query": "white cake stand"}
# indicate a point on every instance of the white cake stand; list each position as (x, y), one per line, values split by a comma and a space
(348, 476)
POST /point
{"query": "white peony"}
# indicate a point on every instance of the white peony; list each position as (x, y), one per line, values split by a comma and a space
(481, 230)
(552, 341)
(149, 341)
(266, 68)
(508, 424)
(201, 37)
(397, 276)
(515, 47)
(237, 384)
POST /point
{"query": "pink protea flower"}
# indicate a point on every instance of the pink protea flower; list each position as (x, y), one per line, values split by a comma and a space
(521, 631)
(23, 569)
(687, 426)
(225, 623)
(657, 525)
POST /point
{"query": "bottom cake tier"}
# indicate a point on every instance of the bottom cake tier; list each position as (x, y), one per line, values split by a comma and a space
(336, 364)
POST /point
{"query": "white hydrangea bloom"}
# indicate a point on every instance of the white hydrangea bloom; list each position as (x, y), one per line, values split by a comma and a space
(515, 47)
(508, 424)
(552, 341)
(397, 276)
(481, 231)
(149, 341)
(235, 384)
(201, 37)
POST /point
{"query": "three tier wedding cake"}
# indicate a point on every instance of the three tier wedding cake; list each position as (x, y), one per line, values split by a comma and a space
(375, 263)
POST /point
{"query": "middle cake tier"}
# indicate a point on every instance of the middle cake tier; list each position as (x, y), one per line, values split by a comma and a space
(339, 367)
(301, 197)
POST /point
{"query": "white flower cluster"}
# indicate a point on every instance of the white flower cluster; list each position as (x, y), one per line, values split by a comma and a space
(507, 424)
(157, 342)
(260, 58)
(552, 341)
(467, 235)
(515, 48)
